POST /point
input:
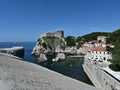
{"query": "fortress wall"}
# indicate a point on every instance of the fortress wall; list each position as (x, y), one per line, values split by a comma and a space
(16, 74)
(99, 77)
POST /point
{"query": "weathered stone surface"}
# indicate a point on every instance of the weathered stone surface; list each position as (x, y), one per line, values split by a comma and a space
(17, 51)
(60, 56)
(42, 58)
(20, 75)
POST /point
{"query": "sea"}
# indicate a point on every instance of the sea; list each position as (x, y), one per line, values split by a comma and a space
(71, 66)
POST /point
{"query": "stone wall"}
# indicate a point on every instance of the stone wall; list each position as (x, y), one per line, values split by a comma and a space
(17, 51)
(58, 33)
(99, 77)
(16, 74)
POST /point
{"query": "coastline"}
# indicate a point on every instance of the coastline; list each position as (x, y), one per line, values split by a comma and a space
(17, 74)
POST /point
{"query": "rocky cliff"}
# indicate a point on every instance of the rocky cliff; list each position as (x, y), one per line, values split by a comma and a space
(49, 43)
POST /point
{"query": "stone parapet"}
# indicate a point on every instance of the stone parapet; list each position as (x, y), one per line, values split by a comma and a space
(99, 77)
(16, 74)
(17, 51)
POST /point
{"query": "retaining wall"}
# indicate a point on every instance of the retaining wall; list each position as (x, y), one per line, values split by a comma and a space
(99, 77)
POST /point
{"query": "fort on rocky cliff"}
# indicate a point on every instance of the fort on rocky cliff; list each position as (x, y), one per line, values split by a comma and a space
(58, 33)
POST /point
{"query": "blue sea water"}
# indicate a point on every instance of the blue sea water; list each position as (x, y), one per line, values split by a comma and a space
(71, 67)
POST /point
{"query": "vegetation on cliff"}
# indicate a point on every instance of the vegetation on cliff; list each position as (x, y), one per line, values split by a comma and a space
(93, 36)
(70, 40)
(52, 43)
(114, 38)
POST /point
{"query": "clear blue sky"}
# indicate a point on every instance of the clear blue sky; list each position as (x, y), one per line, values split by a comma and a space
(26, 20)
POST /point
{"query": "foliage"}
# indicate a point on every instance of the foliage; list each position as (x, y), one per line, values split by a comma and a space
(114, 38)
(52, 43)
(116, 58)
(44, 45)
(79, 38)
(79, 45)
(115, 67)
(39, 41)
(70, 41)
(93, 36)
(49, 47)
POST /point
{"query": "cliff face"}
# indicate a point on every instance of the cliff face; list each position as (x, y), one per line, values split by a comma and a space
(49, 43)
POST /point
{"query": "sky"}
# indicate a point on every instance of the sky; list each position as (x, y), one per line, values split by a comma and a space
(27, 20)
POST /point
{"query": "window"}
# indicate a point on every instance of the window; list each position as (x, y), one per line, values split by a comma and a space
(104, 52)
(104, 58)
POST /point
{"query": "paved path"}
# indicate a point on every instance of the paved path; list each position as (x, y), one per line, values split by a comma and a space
(16, 74)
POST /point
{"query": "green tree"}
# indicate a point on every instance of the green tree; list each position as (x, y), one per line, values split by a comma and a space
(44, 45)
(79, 39)
(70, 41)
(79, 45)
(93, 36)
(114, 38)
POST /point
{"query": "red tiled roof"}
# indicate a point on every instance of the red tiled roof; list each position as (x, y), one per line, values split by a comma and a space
(87, 48)
(99, 49)
(100, 43)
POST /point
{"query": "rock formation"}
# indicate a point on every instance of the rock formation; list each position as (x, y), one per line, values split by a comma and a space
(49, 43)
(60, 56)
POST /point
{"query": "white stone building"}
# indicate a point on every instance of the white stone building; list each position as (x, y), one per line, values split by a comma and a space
(99, 53)
(98, 50)
(101, 39)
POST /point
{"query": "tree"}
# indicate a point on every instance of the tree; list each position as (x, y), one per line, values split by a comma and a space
(70, 41)
(114, 38)
(79, 45)
(44, 45)
(93, 36)
(79, 39)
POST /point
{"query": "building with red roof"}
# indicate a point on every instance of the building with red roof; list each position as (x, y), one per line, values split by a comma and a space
(98, 50)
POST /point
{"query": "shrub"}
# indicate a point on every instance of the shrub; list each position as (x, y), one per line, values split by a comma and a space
(44, 45)
(115, 67)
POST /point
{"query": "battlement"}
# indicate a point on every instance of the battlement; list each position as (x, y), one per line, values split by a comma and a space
(17, 51)
(58, 33)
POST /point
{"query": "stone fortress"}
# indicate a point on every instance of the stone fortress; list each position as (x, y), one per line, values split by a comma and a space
(58, 33)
